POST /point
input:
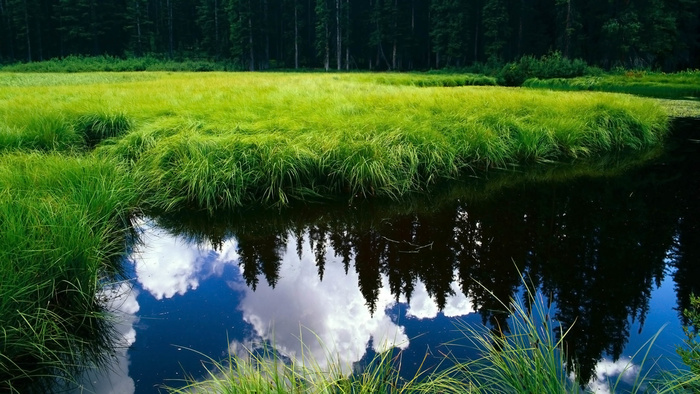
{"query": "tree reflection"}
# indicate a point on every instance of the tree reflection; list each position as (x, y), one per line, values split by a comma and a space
(596, 245)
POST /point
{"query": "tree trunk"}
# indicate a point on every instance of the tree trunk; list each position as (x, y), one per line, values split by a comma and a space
(296, 36)
(568, 28)
(39, 41)
(476, 35)
(394, 49)
(267, 35)
(520, 28)
(139, 46)
(170, 29)
(217, 42)
(338, 39)
(347, 34)
(251, 52)
(26, 32)
(327, 57)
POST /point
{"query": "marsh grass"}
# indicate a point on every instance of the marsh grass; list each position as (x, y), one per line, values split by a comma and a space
(63, 222)
(78, 153)
(96, 127)
(219, 141)
(263, 370)
(683, 85)
(530, 357)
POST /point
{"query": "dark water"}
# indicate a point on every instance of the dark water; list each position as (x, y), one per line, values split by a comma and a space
(616, 255)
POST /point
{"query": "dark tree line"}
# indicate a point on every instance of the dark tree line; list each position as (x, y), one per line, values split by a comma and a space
(356, 34)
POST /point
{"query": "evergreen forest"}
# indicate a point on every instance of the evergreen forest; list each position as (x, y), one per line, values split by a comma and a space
(357, 34)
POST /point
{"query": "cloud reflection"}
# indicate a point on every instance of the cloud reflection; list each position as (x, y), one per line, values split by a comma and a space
(423, 306)
(167, 265)
(607, 371)
(114, 378)
(330, 316)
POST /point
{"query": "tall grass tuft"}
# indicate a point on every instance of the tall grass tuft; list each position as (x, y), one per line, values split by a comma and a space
(530, 358)
(96, 127)
(64, 224)
(263, 370)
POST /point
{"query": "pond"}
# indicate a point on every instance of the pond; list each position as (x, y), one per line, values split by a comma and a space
(615, 250)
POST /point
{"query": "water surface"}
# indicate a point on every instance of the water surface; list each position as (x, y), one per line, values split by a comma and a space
(615, 250)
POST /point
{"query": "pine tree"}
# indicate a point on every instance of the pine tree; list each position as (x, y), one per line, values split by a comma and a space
(323, 34)
(496, 30)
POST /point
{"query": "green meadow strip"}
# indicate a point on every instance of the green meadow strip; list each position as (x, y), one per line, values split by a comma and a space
(683, 85)
(221, 140)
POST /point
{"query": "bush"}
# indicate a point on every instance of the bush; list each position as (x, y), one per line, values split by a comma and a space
(549, 66)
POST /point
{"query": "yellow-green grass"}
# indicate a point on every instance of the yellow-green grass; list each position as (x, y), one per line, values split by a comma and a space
(63, 223)
(221, 140)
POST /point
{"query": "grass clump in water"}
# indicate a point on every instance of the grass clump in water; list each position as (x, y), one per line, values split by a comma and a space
(63, 224)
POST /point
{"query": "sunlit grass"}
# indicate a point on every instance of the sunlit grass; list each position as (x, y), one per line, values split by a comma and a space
(220, 140)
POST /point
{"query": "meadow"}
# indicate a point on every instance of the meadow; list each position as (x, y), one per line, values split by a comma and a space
(216, 140)
(81, 153)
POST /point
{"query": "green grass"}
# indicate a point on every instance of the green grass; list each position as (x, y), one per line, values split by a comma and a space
(219, 140)
(63, 222)
(683, 85)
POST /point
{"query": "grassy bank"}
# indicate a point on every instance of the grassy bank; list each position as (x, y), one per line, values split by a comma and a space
(223, 140)
(683, 85)
(62, 224)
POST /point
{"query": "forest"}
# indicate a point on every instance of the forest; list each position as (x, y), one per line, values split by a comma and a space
(357, 34)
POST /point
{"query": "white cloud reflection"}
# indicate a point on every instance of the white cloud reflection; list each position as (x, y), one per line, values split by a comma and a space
(114, 378)
(422, 306)
(167, 265)
(330, 316)
(607, 371)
